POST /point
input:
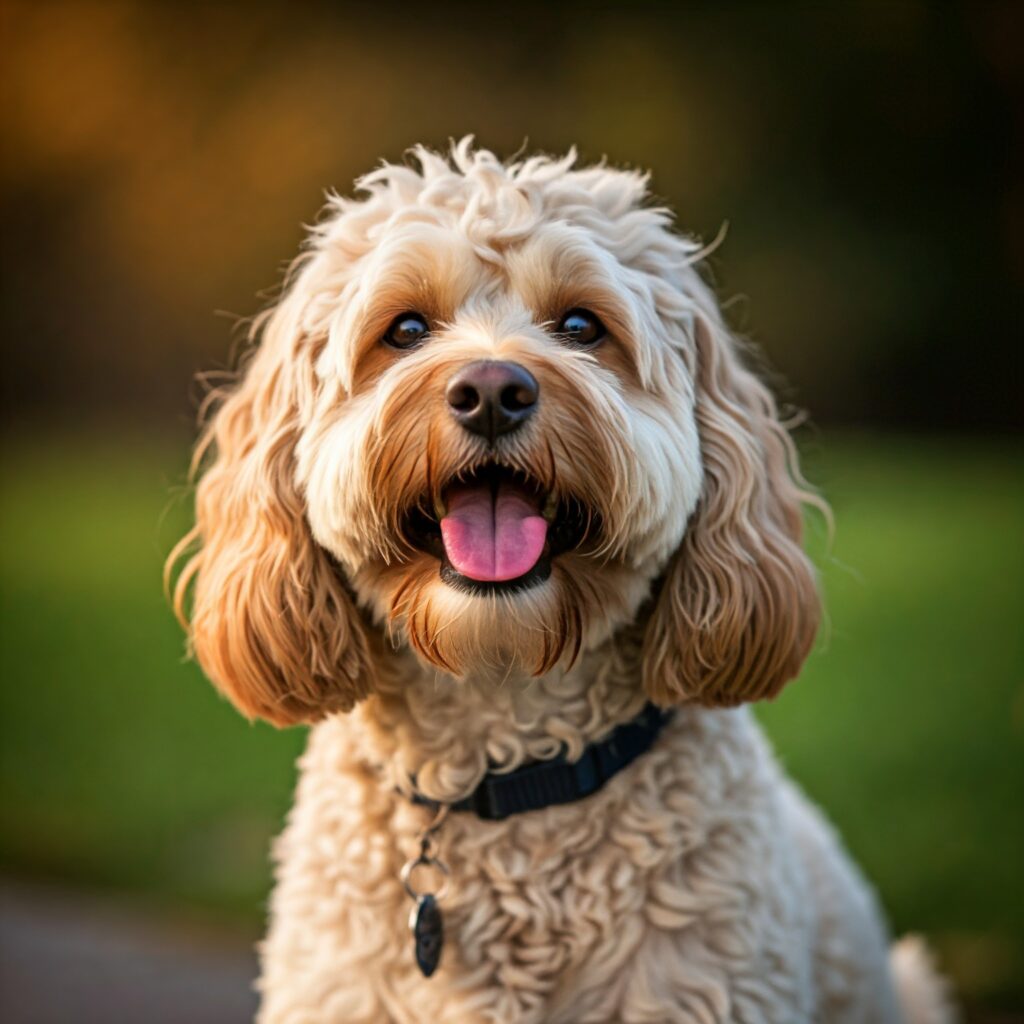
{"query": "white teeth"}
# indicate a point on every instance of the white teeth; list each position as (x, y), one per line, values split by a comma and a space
(439, 510)
(550, 505)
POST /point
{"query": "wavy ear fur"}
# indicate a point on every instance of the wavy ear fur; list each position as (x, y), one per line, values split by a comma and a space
(271, 620)
(738, 607)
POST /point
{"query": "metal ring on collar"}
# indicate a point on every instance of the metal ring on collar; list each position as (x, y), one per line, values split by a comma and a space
(424, 861)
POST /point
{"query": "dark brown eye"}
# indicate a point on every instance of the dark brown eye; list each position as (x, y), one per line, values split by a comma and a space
(581, 327)
(406, 331)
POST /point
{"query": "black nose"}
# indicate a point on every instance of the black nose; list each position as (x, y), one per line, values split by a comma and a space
(491, 398)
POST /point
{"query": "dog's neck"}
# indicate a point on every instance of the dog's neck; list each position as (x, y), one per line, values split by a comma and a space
(444, 734)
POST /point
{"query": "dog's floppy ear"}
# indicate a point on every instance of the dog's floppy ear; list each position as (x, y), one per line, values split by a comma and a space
(270, 619)
(738, 607)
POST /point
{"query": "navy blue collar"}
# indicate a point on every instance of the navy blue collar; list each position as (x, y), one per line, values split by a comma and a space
(539, 784)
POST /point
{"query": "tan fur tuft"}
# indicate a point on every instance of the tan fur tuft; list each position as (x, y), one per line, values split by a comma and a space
(923, 993)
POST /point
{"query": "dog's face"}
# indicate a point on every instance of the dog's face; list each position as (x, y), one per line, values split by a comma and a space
(494, 407)
(503, 449)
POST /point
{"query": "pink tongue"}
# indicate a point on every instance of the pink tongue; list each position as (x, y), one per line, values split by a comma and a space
(492, 537)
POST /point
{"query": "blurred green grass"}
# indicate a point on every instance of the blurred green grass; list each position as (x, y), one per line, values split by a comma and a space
(118, 763)
(121, 768)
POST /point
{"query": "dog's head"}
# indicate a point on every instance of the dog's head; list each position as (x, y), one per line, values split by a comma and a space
(497, 414)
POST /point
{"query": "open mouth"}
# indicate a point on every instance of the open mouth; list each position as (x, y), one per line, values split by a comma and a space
(496, 531)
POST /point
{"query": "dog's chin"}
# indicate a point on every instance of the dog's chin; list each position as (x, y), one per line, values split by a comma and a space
(570, 603)
(456, 629)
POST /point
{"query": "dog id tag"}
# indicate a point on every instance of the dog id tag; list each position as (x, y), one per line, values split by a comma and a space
(425, 920)
(428, 933)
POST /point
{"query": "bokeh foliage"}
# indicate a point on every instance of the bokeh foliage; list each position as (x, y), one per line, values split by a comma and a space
(160, 157)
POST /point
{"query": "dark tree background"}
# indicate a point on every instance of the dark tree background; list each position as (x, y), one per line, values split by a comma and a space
(159, 159)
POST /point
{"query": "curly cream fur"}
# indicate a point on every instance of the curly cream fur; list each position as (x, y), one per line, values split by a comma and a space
(698, 885)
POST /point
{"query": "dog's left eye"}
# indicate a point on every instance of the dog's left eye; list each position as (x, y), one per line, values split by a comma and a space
(406, 331)
(581, 327)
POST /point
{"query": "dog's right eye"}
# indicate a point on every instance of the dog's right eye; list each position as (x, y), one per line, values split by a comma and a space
(581, 328)
(406, 331)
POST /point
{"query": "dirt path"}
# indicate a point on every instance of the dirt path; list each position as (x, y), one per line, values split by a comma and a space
(66, 957)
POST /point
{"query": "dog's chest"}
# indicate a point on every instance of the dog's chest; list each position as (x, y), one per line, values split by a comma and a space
(661, 886)
(576, 913)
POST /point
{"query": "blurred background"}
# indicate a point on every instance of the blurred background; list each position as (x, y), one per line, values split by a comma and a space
(158, 162)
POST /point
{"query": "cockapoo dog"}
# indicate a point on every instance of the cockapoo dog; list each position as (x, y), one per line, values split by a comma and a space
(496, 500)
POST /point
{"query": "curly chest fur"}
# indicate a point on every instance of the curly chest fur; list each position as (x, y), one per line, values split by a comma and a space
(664, 890)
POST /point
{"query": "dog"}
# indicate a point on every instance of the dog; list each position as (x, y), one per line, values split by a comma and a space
(498, 503)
